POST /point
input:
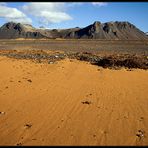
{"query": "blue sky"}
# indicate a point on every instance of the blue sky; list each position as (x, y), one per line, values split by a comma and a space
(68, 15)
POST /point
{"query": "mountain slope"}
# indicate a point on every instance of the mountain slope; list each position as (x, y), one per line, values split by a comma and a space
(110, 30)
(97, 30)
(16, 30)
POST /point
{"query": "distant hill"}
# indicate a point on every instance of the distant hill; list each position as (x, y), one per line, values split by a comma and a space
(12, 30)
(97, 30)
(110, 30)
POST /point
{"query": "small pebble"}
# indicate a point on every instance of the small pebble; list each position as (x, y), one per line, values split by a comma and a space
(2, 113)
(94, 135)
(50, 62)
(28, 125)
(86, 102)
(29, 80)
(141, 119)
(140, 134)
(18, 144)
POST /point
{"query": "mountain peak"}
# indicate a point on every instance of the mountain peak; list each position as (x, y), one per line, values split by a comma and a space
(96, 23)
(9, 25)
(97, 30)
(18, 26)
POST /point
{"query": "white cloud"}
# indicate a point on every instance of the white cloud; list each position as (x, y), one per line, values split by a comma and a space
(72, 4)
(2, 3)
(44, 13)
(47, 12)
(13, 14)
(99, 4)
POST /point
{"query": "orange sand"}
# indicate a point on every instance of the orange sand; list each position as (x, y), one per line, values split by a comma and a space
(51, 104)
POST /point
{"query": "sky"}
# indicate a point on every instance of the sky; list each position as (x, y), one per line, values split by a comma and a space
(59, 15)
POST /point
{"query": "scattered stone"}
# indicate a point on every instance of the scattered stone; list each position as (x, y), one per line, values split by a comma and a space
(2, 113)
(39, 61)
(112, 62)
(86, 102)
(28, 126)
(19, 144)
(104, 132)
(94, 135)
(141, 119)
(129, 70)
(116, 68)
(125, 117)
(50, 62)
(140, 134)
(29, 80)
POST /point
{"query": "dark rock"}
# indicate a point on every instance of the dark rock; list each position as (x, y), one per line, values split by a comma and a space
(140, 134)
(86, 102)
(28, 126)
(97, 30)
(29, 80)
(2, 113)
(13, 30)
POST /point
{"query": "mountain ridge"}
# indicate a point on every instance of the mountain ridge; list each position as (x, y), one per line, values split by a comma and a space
(109, 30)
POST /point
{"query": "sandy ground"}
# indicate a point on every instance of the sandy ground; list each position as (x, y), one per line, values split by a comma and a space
(71, 103)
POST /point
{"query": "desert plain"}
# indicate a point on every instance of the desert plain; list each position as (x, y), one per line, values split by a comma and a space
(70, 101)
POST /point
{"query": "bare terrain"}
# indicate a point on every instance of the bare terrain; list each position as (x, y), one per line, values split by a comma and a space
(73, 92)
(75, 45)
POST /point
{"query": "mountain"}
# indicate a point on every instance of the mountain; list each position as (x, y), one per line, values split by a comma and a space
(110, 30)
(13, 30)
(97, 30)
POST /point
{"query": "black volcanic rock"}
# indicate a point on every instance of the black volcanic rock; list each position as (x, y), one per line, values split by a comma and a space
(13, 30)
(97, 30)
(87, 32)
(109, 30)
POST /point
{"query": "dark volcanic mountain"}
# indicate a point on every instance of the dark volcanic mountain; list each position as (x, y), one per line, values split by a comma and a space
(110, 30)
(16, 30)
(97, 30)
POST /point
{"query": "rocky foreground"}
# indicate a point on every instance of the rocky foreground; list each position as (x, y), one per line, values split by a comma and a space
(115, 61)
